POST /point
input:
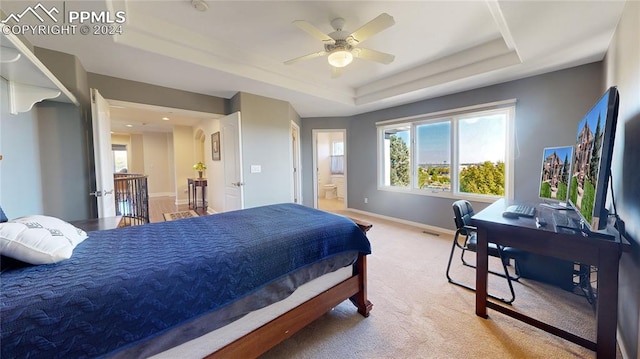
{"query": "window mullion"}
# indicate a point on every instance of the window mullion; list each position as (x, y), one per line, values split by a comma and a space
(454, 157)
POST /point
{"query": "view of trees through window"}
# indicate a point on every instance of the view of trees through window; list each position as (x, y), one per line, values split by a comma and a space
(397, 164)
(478, 155)
(434, 155)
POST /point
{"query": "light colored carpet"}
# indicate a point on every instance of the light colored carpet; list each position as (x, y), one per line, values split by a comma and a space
(418, 314)
(179, 215)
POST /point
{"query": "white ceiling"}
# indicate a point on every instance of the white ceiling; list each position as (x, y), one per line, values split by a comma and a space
(440, 47)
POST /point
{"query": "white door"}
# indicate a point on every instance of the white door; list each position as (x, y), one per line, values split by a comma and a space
(295, 163)
(231, 156)
(103, 155)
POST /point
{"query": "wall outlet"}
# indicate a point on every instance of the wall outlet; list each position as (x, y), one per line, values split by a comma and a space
(366, 200)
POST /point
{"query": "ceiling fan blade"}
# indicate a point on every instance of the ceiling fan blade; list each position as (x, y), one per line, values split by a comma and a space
(314, 31)
(306, 57)
(336, 72)
(383, 21)
(373, 55)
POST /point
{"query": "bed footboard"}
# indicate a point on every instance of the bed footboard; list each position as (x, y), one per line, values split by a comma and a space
(276, 331)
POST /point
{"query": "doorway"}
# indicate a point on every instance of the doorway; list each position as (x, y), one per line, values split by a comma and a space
(330, 162)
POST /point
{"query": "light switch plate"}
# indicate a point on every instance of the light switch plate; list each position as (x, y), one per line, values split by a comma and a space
(256, 168)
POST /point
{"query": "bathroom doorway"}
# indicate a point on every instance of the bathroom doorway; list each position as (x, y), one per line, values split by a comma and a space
(330, 162)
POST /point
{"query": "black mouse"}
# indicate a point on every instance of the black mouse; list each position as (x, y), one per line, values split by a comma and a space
(510, 215)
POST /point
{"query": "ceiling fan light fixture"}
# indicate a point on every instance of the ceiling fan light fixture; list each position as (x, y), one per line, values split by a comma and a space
(340, 58)
(200, 5)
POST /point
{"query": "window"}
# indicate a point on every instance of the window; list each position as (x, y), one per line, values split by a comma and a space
(397, 157)
(337, 158)
(433, 146)
(119, 158)
(458, 153)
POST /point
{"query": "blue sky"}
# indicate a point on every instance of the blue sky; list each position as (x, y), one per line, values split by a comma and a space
(481, 139)
(560, 151)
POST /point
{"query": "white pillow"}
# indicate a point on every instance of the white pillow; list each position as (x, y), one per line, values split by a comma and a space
(39, 239)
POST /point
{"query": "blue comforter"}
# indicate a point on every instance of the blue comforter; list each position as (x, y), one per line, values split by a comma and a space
(125, 285)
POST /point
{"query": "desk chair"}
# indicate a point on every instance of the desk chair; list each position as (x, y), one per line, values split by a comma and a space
(463, 212)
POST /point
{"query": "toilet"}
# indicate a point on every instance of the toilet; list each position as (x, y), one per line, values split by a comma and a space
(330, 191)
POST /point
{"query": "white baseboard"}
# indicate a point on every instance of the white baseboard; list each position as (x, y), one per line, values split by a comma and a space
(434, 229)
(210, 210)
(181, 201)
(623, 348)
(162, 194)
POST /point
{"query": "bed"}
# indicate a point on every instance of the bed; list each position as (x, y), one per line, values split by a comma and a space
(140, 291)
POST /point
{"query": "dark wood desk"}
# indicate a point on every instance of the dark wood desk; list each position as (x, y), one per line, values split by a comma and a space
(522, 233)
(192, 184)
(98, 224)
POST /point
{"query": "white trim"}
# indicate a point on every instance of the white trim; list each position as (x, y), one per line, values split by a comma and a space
(442, 194)
(451, 112)
(297, 176)
(623, 348)
(181, 201)
(162, 194)
(454, 119)
(314, 139)
(404, 221)
(499, 18)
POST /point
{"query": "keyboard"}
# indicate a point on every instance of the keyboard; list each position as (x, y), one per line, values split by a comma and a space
(522, 210)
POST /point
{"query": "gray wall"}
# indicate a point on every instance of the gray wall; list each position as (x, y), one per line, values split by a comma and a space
(306, 156)
(45, 170)
(622, 65)
(20, 179)
(114, 88)
(266, 141)
(548, 110)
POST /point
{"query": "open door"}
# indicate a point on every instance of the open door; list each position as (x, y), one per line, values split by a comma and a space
(231, 156)
(103, 155)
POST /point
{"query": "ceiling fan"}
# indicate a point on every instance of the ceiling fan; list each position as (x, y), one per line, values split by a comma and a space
(341, 47)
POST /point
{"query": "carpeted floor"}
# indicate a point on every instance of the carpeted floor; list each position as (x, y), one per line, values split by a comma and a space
(418, 314)
(179, 215)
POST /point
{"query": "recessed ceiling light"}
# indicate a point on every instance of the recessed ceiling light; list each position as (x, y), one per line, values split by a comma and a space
(129, 125)
(166, 118)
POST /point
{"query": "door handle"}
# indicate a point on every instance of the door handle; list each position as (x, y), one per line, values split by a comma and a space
(238, 184)
(100, 193)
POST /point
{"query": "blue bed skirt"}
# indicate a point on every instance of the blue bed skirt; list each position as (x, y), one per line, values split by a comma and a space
(124, 286)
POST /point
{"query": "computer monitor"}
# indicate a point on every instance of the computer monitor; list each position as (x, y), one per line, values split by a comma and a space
(555, 173)
(592, 160)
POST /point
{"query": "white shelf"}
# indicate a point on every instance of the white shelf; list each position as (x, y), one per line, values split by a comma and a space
(29, 80)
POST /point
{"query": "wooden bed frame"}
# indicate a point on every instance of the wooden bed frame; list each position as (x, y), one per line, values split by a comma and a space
(281, 328)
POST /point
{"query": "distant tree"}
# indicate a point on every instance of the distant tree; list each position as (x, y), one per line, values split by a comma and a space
(564, 176)
(573, 191)
(562, 192)
(400, 166)
(545, 190)
(485, 178)
(434, 177)
(595, 154)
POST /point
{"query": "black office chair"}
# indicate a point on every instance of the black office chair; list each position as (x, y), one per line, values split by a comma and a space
(462, 216)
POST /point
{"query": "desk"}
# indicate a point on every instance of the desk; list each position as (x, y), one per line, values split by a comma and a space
(192, 184)
(98, 224)
(523, 234)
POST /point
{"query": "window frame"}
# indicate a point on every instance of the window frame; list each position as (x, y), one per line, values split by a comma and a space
(453, 117)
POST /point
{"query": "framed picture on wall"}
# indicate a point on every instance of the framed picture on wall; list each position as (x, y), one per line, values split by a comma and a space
(215, 146)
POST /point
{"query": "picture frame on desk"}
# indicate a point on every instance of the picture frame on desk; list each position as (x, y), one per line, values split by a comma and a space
(215, 146)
